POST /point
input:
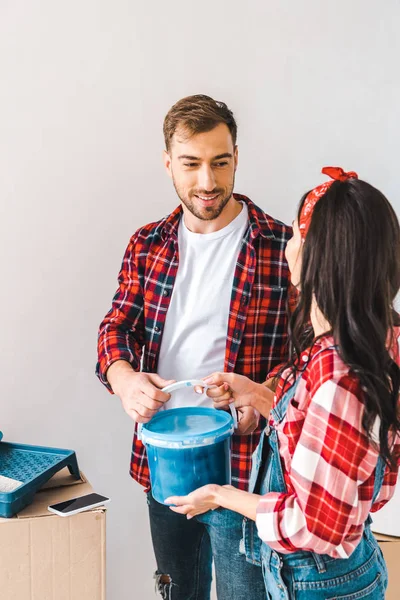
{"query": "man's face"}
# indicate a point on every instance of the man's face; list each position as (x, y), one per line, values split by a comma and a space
(203, 168)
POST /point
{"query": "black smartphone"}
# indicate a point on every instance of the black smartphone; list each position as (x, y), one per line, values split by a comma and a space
(76, 505)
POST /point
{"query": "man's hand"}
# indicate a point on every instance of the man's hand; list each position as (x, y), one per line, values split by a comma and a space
(140, 393)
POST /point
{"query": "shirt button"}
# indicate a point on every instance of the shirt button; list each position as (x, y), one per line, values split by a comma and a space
(157, 329)
(165, 293)
(304, 358)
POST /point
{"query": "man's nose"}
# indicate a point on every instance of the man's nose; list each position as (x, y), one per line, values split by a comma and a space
(206, 180)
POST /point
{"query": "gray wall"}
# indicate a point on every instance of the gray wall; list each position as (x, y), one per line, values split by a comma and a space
(84, 88)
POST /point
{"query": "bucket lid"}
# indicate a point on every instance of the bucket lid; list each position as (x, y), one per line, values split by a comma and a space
(187, 427)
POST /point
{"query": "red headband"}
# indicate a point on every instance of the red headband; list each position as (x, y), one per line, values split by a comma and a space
(336, 174)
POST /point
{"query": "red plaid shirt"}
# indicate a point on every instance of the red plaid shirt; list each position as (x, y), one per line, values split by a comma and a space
(257, 326)
(327, 459)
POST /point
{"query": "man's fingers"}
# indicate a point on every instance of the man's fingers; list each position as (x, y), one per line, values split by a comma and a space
(159, 381)
(152, 387)
(147, 412)
(154, 393)
(149, 403)
(144, 406)
(136, 416)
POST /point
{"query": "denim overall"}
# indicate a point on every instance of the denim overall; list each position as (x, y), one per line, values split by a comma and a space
(305, 575)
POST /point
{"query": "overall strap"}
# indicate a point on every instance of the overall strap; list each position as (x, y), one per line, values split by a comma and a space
(280, 409)
(379, 475)
(279, 412)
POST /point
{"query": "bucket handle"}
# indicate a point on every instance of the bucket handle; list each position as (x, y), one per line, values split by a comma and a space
(178, 385)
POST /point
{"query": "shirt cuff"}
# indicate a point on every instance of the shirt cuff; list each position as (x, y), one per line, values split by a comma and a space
(103, 366)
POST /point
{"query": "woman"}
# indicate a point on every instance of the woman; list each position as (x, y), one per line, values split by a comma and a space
(330, 451)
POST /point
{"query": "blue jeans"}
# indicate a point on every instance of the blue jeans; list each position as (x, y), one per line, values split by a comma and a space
(363, 576)
(184, 550)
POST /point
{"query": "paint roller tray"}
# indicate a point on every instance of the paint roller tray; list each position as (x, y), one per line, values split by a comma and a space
(25, 469)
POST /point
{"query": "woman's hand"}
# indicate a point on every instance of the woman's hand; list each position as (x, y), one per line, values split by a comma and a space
(248, 419)
(196, 503)
(213, 496)
(241, 390)
(231, 387)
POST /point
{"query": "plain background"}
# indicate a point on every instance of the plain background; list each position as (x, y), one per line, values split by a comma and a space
(84, 87)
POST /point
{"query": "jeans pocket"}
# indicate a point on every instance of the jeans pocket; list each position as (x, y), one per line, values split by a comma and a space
(373, 591)
(382, 562)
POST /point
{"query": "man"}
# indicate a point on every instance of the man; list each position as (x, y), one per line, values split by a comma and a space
(201, 290)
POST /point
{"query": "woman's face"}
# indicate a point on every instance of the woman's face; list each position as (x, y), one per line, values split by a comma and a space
(293, 254)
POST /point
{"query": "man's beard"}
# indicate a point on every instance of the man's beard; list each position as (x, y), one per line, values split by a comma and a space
(207, 213)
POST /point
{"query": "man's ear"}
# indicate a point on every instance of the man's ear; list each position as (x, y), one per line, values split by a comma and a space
(167, 163)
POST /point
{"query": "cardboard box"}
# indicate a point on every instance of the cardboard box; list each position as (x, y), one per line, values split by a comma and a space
(390, 547)
(47, 557)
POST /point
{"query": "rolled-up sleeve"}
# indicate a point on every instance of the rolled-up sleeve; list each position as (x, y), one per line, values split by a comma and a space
(121, 333)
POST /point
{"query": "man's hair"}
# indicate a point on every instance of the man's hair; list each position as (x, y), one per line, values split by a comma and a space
(197, 114)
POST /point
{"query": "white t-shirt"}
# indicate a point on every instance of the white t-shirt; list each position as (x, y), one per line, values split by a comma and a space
(194, 339)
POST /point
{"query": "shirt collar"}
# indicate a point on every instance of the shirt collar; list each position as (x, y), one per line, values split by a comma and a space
(258, 220)
(320, 344)
(170, 227)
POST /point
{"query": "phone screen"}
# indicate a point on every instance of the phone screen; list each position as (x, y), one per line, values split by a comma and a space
(78, 503)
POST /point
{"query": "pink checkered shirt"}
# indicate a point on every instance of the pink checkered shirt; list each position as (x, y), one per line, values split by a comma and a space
(327, 460)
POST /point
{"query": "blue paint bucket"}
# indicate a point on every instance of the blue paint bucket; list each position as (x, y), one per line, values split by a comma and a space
(187, 448)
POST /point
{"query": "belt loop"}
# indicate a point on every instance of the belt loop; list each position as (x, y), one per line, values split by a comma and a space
(266, 556)
(319, 562)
